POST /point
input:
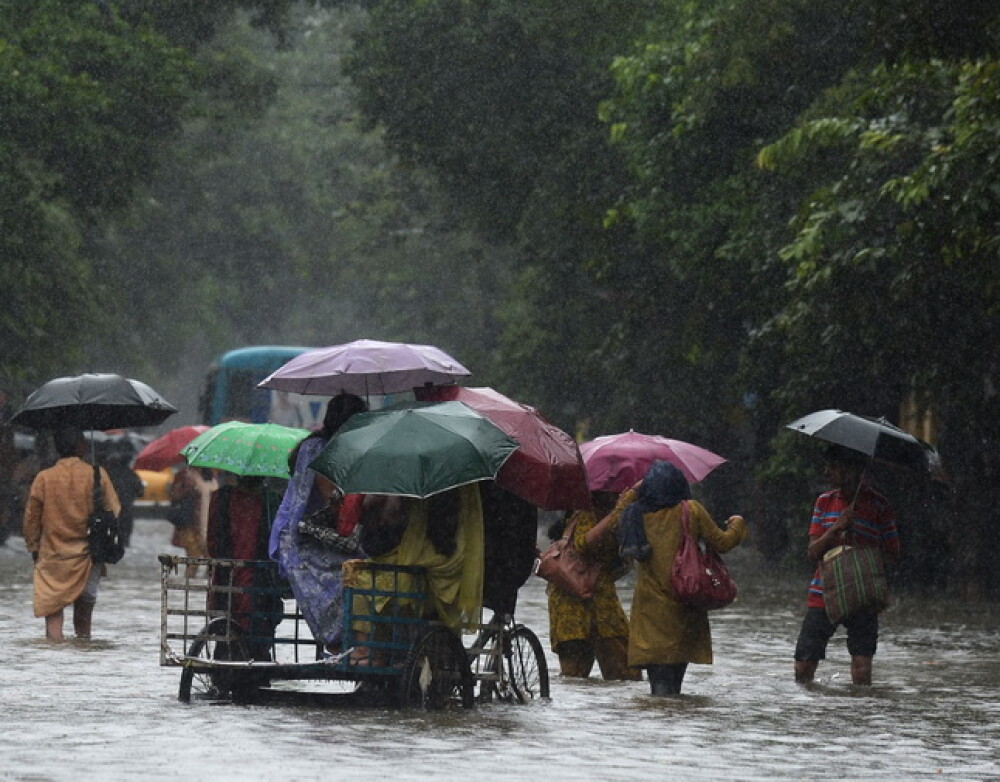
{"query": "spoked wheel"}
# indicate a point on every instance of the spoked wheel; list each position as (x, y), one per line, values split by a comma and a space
(436, 673)
(526, 666)
(220, 640)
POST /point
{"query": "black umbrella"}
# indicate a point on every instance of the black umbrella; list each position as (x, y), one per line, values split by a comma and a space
(93, 401)
(874, 437)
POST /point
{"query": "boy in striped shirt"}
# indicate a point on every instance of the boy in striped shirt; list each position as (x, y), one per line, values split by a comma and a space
(852, 512)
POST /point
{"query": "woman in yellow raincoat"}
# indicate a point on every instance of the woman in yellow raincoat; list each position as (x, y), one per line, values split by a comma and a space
(55, 532)
(665, 635)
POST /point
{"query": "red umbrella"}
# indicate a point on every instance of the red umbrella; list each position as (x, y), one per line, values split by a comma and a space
(546, 470)
(617, 461)
(165, 451)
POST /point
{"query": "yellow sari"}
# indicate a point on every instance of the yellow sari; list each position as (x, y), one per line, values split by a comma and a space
(454, 582)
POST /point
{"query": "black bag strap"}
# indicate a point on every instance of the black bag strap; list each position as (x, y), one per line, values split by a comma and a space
(97, 493)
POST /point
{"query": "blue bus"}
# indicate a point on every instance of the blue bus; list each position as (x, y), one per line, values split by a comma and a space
(230, 391)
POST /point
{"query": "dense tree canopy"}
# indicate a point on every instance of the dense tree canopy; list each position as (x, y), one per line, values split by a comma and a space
(696, 218)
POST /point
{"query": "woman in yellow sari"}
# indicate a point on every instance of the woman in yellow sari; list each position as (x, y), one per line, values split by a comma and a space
(443, 535)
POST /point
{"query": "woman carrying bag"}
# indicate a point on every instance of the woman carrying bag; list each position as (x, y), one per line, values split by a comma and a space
(583, 631)
(665, 635)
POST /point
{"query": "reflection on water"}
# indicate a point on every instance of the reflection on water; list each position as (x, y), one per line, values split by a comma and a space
(106, 707)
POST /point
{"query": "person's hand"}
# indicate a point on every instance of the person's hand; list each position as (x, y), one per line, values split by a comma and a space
(733, 518)
(845, 521)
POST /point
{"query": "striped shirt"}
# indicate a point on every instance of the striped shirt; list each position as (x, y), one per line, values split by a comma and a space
(874, 525)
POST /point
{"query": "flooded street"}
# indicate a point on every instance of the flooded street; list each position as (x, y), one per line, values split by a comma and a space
(104, 709)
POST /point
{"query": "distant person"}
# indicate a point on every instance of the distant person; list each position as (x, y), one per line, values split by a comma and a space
(55, 532)
(189, 494)
(510, 527)
(583, 632)
(128, 486)
(850, 513)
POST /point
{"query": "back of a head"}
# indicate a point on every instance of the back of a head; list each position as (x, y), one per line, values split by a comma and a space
(339, 409)
(66, 441)
(845, 457)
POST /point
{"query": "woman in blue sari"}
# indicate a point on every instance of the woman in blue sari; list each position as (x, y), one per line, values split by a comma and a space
(313, 569)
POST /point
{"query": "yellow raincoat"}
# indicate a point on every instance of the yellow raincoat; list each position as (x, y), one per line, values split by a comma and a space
(661, 630)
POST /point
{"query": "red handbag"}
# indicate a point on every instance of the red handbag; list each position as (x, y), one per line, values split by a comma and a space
(566, 568)
(700, 578)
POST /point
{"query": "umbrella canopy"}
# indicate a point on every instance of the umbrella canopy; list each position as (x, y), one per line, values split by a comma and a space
(165, 451)
(414, 449)
(547, 469)
(615, 462)
(874, 437)
(93, 401)
(245, 449)
(365, 367)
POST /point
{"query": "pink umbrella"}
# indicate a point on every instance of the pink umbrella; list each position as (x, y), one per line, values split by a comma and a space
(546, 469)
(615, 462)
(365, 367)
(165, 451)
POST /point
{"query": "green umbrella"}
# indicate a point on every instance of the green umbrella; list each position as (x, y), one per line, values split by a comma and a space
(414, 449)
(245, 449)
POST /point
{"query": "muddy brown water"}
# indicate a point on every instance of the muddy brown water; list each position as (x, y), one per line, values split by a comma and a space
(105, 709)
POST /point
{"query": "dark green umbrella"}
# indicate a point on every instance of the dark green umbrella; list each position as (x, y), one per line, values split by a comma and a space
(414, 449)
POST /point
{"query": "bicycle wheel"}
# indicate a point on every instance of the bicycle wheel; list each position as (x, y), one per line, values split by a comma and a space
(526, 666)
(220, 640)
(436, 673)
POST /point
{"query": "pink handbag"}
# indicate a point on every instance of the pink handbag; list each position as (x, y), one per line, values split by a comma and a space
(566, 568)
(700, 578)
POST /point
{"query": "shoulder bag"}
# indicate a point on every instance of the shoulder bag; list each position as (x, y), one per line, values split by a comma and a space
(853, 580)
(103, 533)
(563, 566)
(700, 578)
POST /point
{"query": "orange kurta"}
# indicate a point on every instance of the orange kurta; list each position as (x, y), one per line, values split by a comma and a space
(55, 526)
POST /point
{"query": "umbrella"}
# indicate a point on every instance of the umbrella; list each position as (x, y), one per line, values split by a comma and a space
(615, 462)
(245, 449)
(546, 470)
(874, 437)
(365, 367)
(413, 449)
(93, 401)
(165, 451)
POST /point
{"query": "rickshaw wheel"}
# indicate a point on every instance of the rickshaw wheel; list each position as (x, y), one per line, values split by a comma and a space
(220, 640)
(436, 673)
(528, 671)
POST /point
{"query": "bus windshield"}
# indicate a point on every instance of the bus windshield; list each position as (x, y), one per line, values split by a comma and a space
(230, 391)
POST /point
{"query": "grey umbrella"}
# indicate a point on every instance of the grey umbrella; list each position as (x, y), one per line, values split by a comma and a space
(874, 437)
(93, 401)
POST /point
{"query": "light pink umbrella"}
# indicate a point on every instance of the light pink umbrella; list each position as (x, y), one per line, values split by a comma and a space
(365, 367)
(616, 462)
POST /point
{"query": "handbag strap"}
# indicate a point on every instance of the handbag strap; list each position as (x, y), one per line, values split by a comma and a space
(96, 493)
(684, 518)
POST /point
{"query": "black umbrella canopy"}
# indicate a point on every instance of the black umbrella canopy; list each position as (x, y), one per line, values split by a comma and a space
(874, 437)
(93, 401)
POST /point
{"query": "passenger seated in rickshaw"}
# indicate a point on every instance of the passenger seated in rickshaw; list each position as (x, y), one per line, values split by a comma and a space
(510, 529)
(442, 534)
(239, 523)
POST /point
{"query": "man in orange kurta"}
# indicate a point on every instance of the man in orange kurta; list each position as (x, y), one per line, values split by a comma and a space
(55, 532)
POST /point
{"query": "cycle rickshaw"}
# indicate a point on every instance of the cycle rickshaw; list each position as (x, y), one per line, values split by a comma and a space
(233, 630)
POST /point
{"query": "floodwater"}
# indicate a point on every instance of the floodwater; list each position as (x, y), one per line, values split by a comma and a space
(105, 709)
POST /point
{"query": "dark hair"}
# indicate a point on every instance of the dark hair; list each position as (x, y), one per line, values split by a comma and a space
(842, 455)
(338, 410)
(442, 521)
(65, 441)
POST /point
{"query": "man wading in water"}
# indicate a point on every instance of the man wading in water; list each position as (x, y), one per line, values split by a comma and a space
(852, 512)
